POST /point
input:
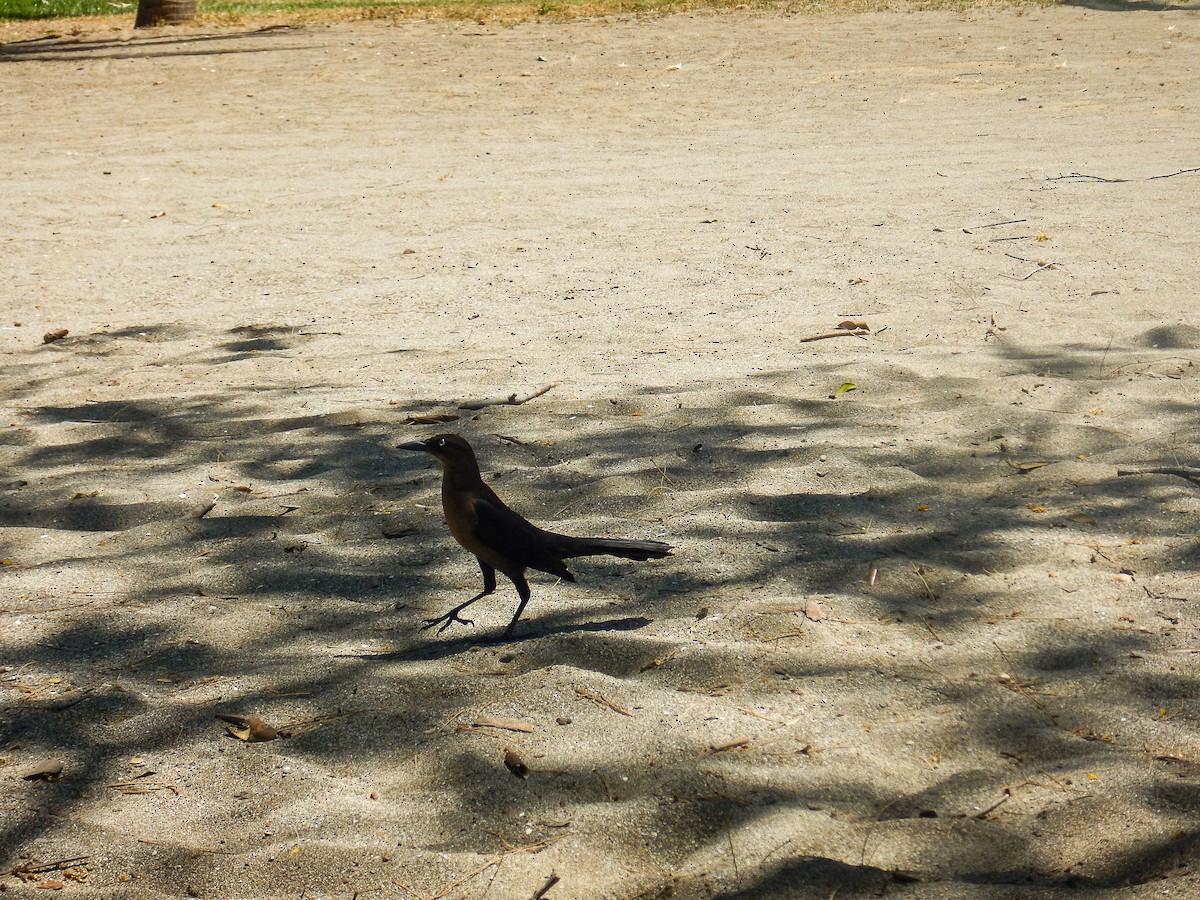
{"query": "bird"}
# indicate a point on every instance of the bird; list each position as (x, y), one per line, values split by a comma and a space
(501, 539)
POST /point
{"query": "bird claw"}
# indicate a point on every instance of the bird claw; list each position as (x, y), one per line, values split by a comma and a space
(446, 621)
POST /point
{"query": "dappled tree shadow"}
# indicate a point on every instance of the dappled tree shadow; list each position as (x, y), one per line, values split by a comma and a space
(286, 600)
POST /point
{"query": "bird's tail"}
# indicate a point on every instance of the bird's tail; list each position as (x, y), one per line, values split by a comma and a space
(573, 546)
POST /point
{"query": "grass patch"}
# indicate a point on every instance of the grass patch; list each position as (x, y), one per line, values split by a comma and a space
(61, 9)
(306, 10)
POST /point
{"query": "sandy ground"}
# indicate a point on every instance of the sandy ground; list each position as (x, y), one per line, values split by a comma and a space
(272, 247)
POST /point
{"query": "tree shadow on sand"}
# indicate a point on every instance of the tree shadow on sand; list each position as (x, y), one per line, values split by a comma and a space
(748, 754)
(60, 48)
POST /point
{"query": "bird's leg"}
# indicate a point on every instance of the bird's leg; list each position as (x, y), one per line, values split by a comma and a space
(522, 587)
(489, 587)
(453, 616)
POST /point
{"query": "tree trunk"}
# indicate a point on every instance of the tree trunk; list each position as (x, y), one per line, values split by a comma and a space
(164, 12)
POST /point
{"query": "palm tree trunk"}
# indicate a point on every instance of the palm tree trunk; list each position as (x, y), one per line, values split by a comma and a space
(164, 12)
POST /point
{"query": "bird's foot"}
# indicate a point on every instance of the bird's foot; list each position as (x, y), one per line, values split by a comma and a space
(447, 620)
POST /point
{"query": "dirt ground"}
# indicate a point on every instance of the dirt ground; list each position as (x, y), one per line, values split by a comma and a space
(918, 637)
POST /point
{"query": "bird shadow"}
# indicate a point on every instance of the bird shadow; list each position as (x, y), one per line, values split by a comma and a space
(441, 648)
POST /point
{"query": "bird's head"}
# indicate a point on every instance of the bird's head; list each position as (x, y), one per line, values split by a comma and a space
(450, 450)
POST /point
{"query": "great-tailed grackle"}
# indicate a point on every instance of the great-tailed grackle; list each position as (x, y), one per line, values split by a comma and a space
(502, 539)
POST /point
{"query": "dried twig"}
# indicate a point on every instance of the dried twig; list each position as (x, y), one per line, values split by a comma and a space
(920, 573)
(509, 850)
(429, 419)
(1004, 798)
(503, 724)
(57, 865)
(1181, 471)
(541, 892)
(661, 660)
(454, 885)
(762, 861)
(1173, 174)
(858, 332)
(776, 722)
(511, 400)
(60, 702)
(728, 745)
(601, 700)
(1041, 268)
(1078, 176)
(143, 787)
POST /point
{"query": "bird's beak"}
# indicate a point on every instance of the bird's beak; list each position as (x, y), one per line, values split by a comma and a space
(419, 446)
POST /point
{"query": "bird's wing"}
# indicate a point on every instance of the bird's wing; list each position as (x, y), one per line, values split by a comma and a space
(510, 535)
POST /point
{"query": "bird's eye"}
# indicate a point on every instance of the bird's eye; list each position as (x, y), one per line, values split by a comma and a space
(441, 442)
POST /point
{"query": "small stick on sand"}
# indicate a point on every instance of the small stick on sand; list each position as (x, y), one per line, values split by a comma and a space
(1079, 176)
(998, 224)
(545, 888)
(57, 865)
(601, 700)
(728, 745)
(1181, 471)
(510, 400)
(503, 724)
(1173, 174)
(1004, 798)
(1041, 268)
(859, 333)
